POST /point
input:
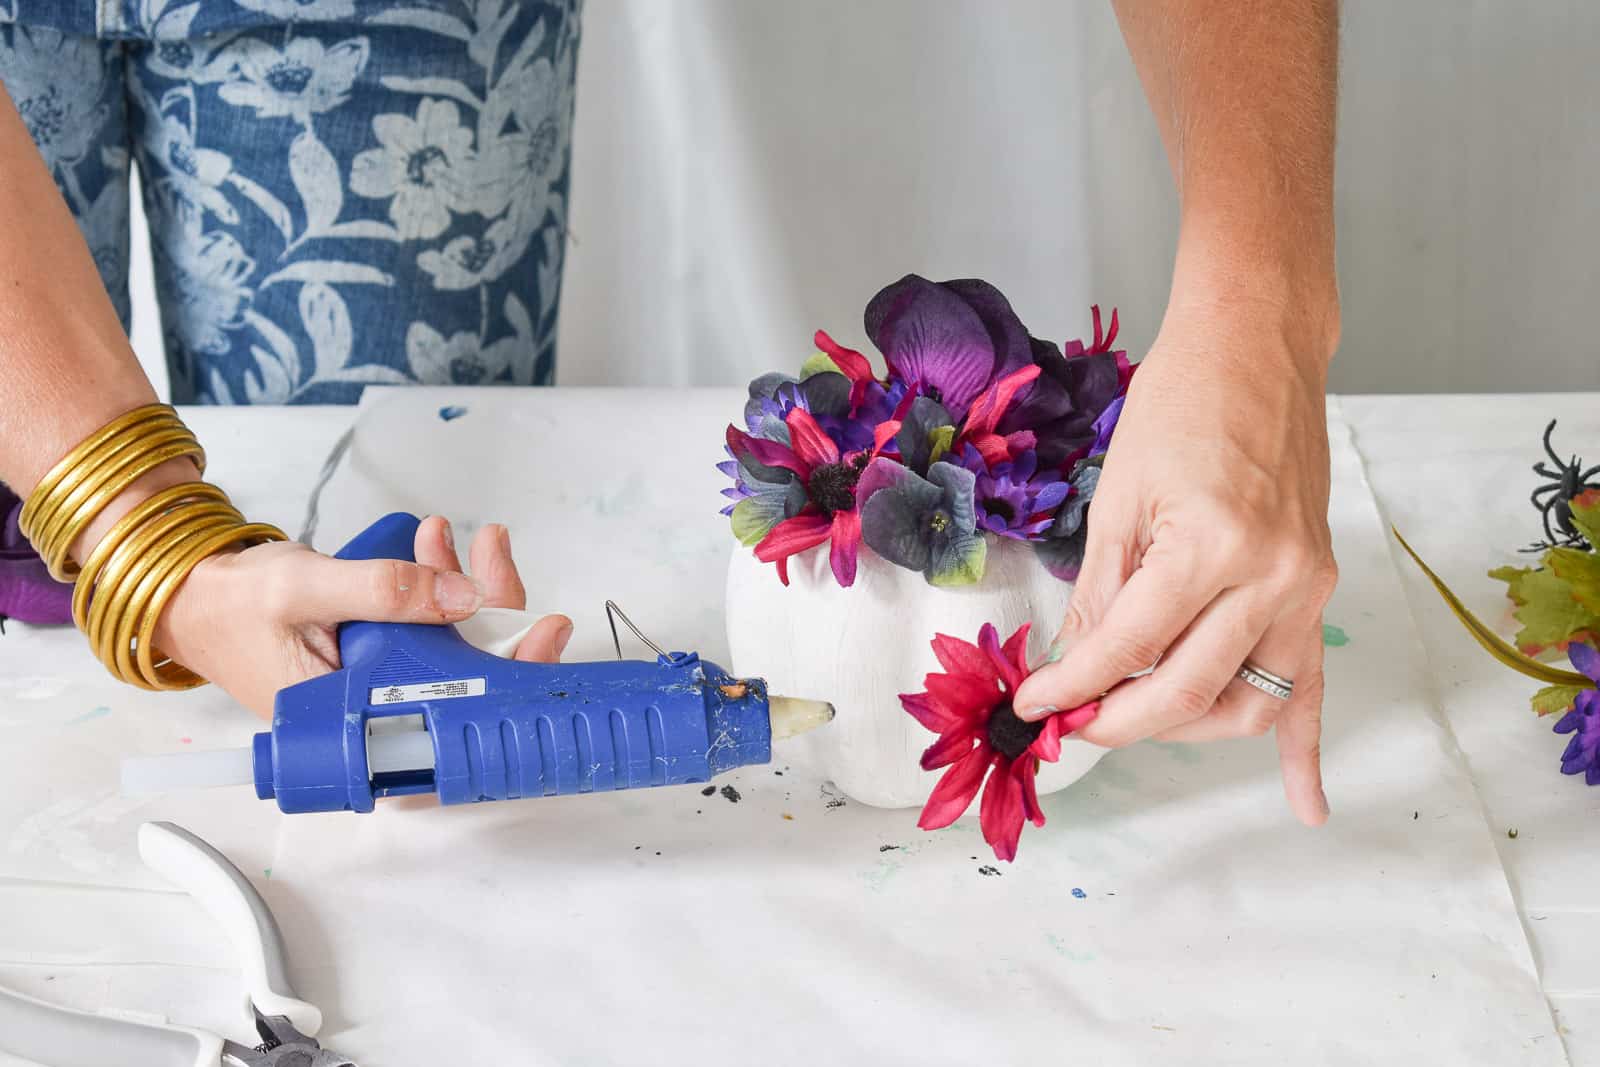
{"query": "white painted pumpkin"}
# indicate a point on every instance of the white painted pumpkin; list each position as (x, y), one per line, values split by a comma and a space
(863, 646)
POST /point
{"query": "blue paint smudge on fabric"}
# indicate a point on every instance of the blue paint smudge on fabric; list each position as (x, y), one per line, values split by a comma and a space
(89, 716)
(452, 411)
(1080, 894)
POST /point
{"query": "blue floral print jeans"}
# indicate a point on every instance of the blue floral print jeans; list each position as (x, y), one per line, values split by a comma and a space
(340, 192)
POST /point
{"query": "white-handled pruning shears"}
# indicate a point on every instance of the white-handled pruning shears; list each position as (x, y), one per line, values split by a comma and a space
(61, 1037)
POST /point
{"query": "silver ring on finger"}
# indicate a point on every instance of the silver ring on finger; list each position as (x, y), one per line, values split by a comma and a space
(1271, 684)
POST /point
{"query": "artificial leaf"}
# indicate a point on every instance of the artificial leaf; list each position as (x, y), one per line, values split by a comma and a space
(1554, 698)
(819, 363)
(1513, 577)
(1491, 641)
(1586, 515)
(958, 561)
(1550, 615)
(755, 516)
(1581, 571)
(939, 443)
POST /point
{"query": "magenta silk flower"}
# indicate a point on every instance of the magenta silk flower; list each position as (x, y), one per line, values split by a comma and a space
(969, 707)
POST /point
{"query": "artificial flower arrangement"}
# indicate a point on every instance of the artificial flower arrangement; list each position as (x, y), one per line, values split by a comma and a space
(27, 592)
(1557, 605)
(969, 705)
(979, 429)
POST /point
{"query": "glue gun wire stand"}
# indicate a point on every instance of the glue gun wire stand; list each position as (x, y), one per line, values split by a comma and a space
(415, 709)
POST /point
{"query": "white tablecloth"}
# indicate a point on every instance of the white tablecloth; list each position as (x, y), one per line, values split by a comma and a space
(665, 926)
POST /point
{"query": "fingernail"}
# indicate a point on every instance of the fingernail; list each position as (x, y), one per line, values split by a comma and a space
(563, 635)
(1043, 711)
(1055, 653)
(505, 539)
(449, 536)
(1323, 797)
(457, 592)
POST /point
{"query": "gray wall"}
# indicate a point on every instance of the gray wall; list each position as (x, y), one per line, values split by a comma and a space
(1469, 196)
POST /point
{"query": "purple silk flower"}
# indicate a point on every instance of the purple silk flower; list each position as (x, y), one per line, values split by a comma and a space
(947, 340)
(1583, 720)
(27, 592)
(1015, 499)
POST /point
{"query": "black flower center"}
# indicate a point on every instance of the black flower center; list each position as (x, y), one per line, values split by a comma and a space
(289, 78)
(1009, 735)
(1000, 508)
(422, 165)
(833, 487)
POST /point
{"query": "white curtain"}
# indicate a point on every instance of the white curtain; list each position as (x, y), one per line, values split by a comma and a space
(747, 172)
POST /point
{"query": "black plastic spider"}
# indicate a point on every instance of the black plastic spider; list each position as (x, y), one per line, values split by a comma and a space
(1554, 497)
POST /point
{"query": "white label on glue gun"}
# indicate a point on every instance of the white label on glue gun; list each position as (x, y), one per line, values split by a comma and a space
(404, 694)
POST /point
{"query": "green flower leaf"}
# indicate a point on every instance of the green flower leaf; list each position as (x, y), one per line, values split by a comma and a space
(819, 363)
(959, 561)
(1586, 515)
(755, 516)
(939, 442)
(1549, 612)
(1581, 571)
(1554, 698)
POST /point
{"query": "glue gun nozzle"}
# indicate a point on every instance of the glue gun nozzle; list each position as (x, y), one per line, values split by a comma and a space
(790, 716)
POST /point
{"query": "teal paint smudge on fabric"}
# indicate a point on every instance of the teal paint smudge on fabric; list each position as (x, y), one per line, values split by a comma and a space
(1333, 636)
(89, 716)
(1066, 953)
(1183, 753)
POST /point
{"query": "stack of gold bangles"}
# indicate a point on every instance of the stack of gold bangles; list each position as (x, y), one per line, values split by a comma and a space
(128, 578)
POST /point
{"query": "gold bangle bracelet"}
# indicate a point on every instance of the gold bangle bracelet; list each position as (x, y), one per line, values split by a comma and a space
(135, 555)
(119, 652)
(176, 676)
(167, 499)
(87, 474)
(55, 541)
(132, 574)
(88, 446)
(51, 503)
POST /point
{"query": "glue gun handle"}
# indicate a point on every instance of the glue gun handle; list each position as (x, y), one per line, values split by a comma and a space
(391, 537)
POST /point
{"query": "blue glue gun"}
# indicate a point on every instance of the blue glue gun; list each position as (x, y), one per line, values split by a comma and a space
(415, 709)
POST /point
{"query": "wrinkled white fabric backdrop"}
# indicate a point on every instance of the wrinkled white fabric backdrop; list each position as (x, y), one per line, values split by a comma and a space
(749, 170)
